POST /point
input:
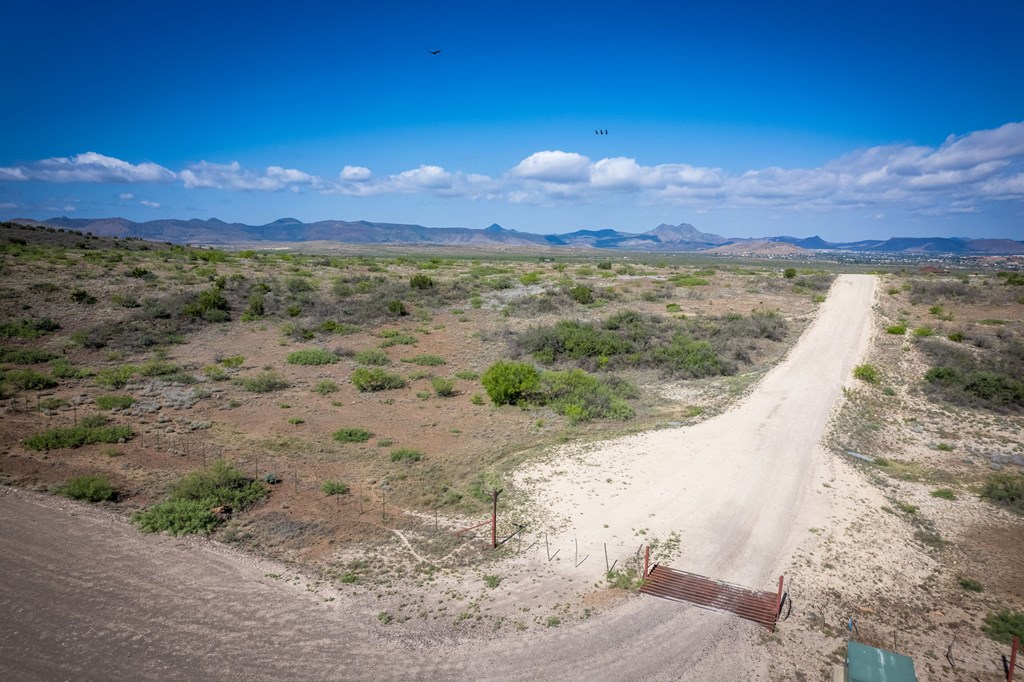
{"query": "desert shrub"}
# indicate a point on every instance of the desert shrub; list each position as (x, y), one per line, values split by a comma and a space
(426, 360)
(29, 380)
(956, 337)
(376, 379)
(820, 282)
(114, 402)
(82, 296)
(789, 273)
(372, 356)
(311, 356)
(256, 306)
(177, 517)
(265, 382)
(582, 294)
(24, 356)
(406, 455)
(325, 386)
(508, 383)
(689, 358)
(334, 487)
(115, 377)
(352, 435)
(51, 403)
(1011, 278)
(396, 338)
(927, 291)
(88, 489)
(867, 373)
(299, 285)
(687, 280)
(77, 436)
(63, 369)
(1005, 489)
(944, 494)
(1004, 625)
(443, 387)
(215, 373)
(896, 329)
(528, 278)
(141, 273)
(581, 396)
(421, 281)
(397, 308)
(923, 332)
(970, 584)
(27, 329)
(467, 374)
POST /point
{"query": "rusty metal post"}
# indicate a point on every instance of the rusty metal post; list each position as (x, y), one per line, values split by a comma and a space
(647, 560)
(778, 600)
(1013, 658)
(494, 520)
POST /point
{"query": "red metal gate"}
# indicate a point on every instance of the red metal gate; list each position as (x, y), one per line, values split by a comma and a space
(760, 607)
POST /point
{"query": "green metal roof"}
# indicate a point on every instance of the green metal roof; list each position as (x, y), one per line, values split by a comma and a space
(868, 664)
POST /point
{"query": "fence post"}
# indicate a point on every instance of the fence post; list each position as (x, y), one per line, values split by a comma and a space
(494, 520)
(1013, 658)
(647, 560)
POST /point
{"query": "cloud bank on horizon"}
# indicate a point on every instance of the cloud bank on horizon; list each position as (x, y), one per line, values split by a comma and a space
(962, 175)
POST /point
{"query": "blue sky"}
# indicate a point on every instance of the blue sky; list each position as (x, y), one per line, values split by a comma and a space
(848, 120)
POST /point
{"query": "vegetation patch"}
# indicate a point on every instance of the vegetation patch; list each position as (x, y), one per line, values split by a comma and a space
(24, 356)
(406, 455)
(1006, 490)
(372, 356)
(114, 402)
(86, 432)
(311, 356)
(334, 487)
(376, 379)
(27, 329)
(28, 380)
(867, 373)
(994, 380)
(88, 489)
(426, 360)
(264, 382)
(202, 500)
(1004, 625)
(352, 435)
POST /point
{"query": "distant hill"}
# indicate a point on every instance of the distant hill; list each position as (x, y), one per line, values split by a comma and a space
(664, 237)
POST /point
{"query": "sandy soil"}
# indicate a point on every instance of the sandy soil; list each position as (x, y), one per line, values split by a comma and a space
(741, 491)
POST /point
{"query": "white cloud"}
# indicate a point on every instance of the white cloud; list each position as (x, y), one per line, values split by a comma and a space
(88, 167)
(355, 174)
(233, 176)
(126, 196)
(8, 204)
(150, 204)
(554, 166)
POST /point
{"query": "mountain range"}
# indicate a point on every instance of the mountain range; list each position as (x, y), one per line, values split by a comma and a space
(666, 238)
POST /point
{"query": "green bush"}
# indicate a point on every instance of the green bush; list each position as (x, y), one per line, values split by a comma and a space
(970, 584)
(443, 387)
(114, 402)
(264, 382)
(581, 396)
(406, 455)
(352, 435)
(944, 494)
(467, 374)
(28, 380)
(158, 368)
(115, 377)
(191, 501)
(789, 273)
(325, 386)
(77, 436)
(396, 308)
(372, 356)
(582, 294)
(687, 357)
(396, 338)
(82, 296)
(426, 360)
(1004, 625)
(683, 280)
(376, 379)
(233, 361)
(896, 329)
(334, 487)
(215, 373)
(28, 329)
(923, 332)
(421, 281)
(24, 356)
(1005, 489)
(311, 356)
(508, 383)
(89, 489)
(867, 373)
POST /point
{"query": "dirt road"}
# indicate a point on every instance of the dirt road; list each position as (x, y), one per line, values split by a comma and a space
(83, 596)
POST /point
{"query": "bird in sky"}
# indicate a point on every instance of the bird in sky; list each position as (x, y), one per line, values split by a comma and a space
(434, 51)
(600, 132)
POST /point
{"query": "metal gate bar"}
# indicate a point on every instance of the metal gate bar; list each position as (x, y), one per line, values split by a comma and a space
(668, 583)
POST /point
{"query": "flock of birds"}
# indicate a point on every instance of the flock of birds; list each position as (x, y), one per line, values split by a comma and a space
(596, 132)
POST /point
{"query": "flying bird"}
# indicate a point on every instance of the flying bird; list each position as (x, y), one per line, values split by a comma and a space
(434, 51)
(600, 132)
